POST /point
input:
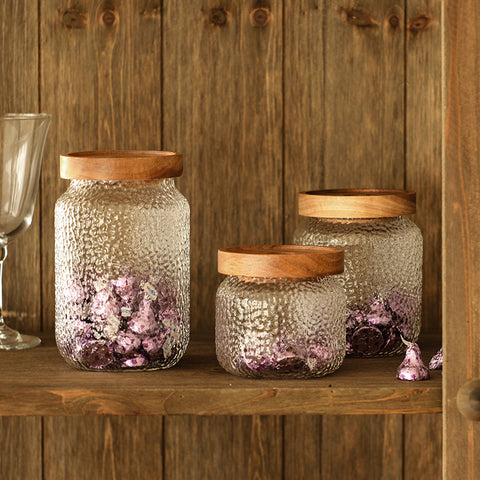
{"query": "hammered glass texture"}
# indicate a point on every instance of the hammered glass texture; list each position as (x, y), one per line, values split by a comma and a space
(383, 272)
(280, 329)
(126, 244)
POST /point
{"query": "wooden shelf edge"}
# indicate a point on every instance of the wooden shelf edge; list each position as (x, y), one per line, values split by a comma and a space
(38, 382)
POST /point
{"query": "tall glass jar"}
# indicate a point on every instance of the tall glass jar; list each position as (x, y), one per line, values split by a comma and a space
(280, 312)
(383, 262)
(122, 261)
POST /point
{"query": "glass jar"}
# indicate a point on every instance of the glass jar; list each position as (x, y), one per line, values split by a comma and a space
(383, 262)
(122, 261)
(280, 312)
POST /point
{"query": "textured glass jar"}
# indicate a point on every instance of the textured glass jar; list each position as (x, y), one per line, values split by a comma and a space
(280, 312)
(383, 262)
(122, 261)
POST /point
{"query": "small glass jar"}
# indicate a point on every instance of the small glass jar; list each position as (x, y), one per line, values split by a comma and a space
(280, 312)
(383, 262)
(122, 261)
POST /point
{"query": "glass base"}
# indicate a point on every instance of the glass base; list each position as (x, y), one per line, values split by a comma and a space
(12, 340)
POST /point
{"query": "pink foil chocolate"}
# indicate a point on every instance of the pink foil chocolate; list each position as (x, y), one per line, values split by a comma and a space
(287, 357)
(122, 323)
(376, 328)
(412, 368)
(436, 362)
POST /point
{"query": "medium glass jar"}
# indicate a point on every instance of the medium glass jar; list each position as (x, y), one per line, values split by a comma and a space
(383, 262)
(122, 261)
(280, 312)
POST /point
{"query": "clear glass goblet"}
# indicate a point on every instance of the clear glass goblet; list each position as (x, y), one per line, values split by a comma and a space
(22, 138)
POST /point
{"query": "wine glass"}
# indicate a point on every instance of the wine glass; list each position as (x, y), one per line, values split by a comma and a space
(22, 138)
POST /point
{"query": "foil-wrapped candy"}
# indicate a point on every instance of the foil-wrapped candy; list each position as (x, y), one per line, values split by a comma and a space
(412, 368)
(436, 363)
(122, 323)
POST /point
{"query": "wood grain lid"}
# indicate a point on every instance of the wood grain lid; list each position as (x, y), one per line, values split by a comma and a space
(121, 165)
(280, 261)
(356, 203)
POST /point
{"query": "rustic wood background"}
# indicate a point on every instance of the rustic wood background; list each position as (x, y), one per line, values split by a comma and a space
(263, 98)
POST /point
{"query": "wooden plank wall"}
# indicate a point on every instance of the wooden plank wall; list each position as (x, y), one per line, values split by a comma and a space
(461, 236)
(264, 98)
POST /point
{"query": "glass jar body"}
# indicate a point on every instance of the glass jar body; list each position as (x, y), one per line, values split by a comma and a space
(122, 274)
(382, 278)
(280, 329)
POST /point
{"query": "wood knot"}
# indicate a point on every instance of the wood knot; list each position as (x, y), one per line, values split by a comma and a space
(419, 23)
(260, 17)
(358, 17)
(394, 21)
(73, 19)
(218, 16)
(109, 18)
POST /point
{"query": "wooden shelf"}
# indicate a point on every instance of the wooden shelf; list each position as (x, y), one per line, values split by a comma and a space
(39, 382)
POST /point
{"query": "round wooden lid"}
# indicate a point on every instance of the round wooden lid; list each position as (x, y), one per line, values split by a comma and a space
(121, 165)
(280, 261)
(356, 203)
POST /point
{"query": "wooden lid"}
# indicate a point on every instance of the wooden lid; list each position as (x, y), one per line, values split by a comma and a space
(280, 261)
(356, 203)
(121, 165)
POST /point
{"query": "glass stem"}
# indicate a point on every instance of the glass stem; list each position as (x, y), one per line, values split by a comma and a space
(3, 256)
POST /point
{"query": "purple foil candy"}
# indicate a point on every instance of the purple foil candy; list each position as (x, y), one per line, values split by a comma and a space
(143, 322)
(289, 360)
(96, 354)
(153, 345)
(355, 319)
(104, 304)
(412, 368)
(318, 357)
(436, 363)
(137, 361)
(130, 321)
(378, 314)
(75, 292)
(367, 340)
(126, 286)
(402, 303)
(170, 317)
(126, 343)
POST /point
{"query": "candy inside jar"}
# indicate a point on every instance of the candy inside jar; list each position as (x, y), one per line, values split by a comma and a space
(129, 322)
(380, 324)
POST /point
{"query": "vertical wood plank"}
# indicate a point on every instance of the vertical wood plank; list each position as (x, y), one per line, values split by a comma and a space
(362, 447)
(20, 448)
(364, 94)
(20, 438)
(302, 447)
(209, 448)
(223, 110)
(305, 102)
(461, 234)
(423, 446)
(19, 94)
(101, 79)
(103, 448)
(423, 139)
